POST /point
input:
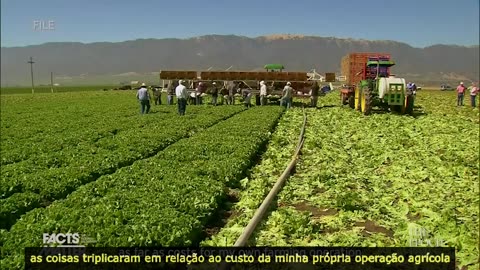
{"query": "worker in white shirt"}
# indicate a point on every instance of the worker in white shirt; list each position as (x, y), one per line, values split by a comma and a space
(263, 93)
(144, 98)
(182, 95)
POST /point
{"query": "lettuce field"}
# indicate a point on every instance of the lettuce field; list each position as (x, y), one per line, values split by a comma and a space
(88, 162)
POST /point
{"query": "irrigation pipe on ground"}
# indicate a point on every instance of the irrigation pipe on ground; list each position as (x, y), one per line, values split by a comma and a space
(258, 216)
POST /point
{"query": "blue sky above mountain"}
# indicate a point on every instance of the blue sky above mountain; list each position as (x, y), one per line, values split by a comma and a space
(417, 23)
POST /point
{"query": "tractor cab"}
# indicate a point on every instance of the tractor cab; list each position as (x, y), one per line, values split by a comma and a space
(378, 67)
(379, 88)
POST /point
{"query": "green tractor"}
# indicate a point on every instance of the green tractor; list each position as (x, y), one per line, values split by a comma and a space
(379, 88)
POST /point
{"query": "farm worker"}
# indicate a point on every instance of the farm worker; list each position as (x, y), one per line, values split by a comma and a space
(144, 98)
(224, 95)
(409, 87)
(232, 89)
(157, 95)
(460, 93)
(214, 94)
(247, 96)
(263, 93)
(287, 95)
(182, 95)
(171, 93)
(198, 94)
(414, 89)
(325, 89)
(314, 94)
(473, 94)
(192, 100)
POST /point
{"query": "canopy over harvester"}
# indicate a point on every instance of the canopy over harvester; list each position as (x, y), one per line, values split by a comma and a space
(274, 67)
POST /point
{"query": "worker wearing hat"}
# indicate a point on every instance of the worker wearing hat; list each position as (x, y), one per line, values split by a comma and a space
(263, 93)
(144, 98)
(214, 94)
(182, 95)
(287, 94)
(460, 94)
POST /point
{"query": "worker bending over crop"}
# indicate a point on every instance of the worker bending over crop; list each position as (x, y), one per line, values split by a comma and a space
(224, 95)
(192, 98)
(182, 95)
(247, 96)
(144, 98)
(287, 94)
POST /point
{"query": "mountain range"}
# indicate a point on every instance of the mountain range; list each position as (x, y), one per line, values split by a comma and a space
(142, 59)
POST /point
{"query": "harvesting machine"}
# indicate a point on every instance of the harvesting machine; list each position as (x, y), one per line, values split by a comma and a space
(274, 77)
(370, 84)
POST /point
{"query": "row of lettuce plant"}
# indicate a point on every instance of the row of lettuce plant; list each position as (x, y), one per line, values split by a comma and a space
(165, 200)
(23, 188)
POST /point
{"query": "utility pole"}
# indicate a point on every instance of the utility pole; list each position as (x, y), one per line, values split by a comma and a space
(31, 71)
(51, 81)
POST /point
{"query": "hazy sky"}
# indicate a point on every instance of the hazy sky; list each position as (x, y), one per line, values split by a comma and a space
(419, 23)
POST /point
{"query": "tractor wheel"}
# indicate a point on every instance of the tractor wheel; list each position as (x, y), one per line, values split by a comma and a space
(366, 100)
(358, 93)
(351, 102)
(407, 108)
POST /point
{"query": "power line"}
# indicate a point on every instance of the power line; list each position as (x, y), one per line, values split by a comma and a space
(51, 81)
(31, 71)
